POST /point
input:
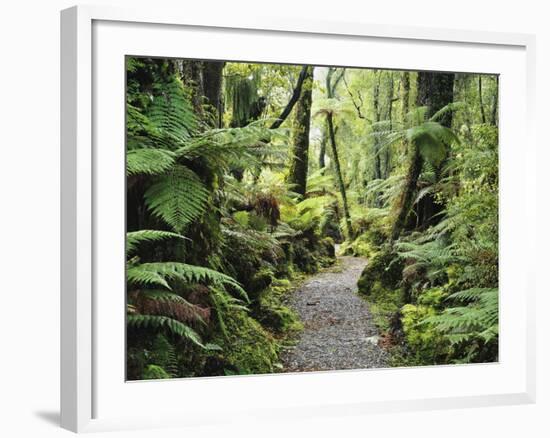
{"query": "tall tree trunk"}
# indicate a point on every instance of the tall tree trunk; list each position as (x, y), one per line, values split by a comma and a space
(494, 111)
(297, 176)
(435, 90)
(480, 93)
(341, 185)
(406, 198)
(323, 150)
(191, 75)
(376, 107)
(387, 151)
(212, 87)
(405, 95)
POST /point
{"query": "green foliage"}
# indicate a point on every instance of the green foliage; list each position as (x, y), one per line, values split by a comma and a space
(157, 322)
(179, 197)
(133, 239)
(149, 161)
(216, 301)
(154, 372)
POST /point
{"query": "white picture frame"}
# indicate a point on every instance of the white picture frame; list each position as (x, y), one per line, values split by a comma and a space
(93, 40)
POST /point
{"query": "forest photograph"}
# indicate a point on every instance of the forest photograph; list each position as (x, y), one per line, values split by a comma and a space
(296, 218)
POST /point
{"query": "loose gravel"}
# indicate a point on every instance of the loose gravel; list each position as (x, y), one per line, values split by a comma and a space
(338, 330)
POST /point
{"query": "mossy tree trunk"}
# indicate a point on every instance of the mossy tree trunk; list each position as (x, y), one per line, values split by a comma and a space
(435, 90)
(212, 87)
(297, 176)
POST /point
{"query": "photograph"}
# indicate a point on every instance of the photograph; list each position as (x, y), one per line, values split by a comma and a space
(285, 218)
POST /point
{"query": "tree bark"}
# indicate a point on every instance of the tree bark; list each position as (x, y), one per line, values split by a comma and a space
(212, 88)
(407, 195)
(435, 90)
(297, 176)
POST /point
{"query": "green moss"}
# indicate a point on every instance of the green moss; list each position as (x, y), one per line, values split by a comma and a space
(385, 268)
(425, 343)
(248, 348)
(272, 312)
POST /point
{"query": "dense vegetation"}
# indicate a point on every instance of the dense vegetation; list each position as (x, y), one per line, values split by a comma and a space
(242, 177)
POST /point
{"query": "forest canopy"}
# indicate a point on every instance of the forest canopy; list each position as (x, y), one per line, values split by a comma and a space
(249, 184)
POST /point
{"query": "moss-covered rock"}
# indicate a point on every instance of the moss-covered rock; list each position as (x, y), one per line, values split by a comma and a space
(247, 349)
(383, 272)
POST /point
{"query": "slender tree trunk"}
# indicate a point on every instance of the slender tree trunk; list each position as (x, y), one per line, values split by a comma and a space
(387, 151)
(341, 185)
(480, 93)
(494, 111)
(297, 176)
(376, 107)
(405, 93)
(323, 150)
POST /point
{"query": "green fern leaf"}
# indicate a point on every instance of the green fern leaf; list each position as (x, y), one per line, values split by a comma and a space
(149, 161)
(134, 238)
(159, 322)
(178, 198)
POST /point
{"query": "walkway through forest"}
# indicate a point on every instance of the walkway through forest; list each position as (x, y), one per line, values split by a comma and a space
(338, 329)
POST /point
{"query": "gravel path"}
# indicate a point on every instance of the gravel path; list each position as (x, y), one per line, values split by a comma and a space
(338, 329)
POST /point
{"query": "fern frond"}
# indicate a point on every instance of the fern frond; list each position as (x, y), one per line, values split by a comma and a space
(160, 302)
(149, 161)
(178, 198)
(172, 113)
(182, 271)
(134, 238)
(158, 322)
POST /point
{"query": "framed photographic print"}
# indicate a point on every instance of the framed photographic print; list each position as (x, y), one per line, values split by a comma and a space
(291, 218)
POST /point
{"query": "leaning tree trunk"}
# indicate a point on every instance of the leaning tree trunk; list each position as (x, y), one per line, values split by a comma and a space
(407, 195)
(341, 185)
(297, 175)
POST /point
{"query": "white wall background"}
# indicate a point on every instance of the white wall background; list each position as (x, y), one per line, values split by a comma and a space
(29, 216)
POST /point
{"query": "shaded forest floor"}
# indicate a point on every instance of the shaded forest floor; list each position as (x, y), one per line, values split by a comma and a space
(339, 332)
